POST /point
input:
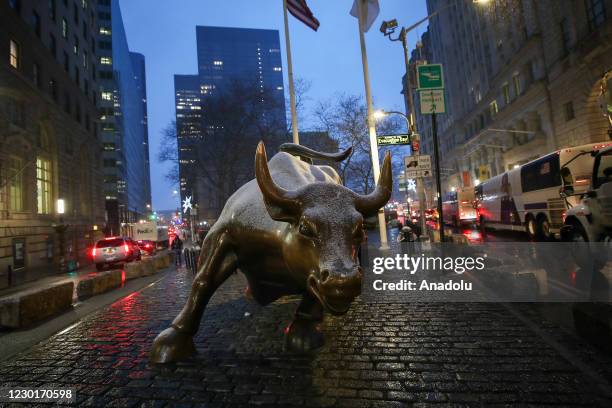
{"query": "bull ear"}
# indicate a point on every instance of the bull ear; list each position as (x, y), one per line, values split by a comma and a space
(282, 205)
(370, 204)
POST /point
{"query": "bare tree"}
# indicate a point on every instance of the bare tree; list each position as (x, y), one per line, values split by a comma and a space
(168, 152)
(344, 117)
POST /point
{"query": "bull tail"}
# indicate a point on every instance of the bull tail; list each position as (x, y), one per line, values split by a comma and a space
(305, 152)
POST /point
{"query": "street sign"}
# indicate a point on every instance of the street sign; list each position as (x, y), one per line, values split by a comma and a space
(416, 143)
(386, 140)
(432, 101)
(417, 166)
(430, 76)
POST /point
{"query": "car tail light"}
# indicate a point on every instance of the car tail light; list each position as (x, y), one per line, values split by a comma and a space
(148, 246)
(126, 247)
(93, 251)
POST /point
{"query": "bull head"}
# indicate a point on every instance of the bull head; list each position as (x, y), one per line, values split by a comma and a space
(324, 232)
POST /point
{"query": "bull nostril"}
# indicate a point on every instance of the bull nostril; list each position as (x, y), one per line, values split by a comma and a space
(324, 275)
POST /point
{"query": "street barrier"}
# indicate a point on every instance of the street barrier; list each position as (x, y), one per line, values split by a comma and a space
(133, 270)
(191, 259)
(148, 267)
(98, 284)
(24, 309)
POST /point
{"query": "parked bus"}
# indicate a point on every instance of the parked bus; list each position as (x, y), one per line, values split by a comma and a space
(459, 207)
(527, 198)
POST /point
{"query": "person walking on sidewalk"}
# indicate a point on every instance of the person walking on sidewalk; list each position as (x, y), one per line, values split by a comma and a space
(177, 247)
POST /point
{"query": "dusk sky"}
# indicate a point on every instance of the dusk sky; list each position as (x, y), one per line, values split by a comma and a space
(164, 31)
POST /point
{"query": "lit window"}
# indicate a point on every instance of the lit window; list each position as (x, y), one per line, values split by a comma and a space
(493, 108)
(277, 69)
(217, 62)
(105, 31)
(106, 61)
(64, 28)
(279, 88)
(14, 54)
(43, 185)
(506, 92)
(107, 96)
(15, 174)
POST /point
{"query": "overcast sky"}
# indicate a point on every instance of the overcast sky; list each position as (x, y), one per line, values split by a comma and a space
(164, 31)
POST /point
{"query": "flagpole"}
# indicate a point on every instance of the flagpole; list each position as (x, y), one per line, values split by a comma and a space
(294, 125)
(371, 123)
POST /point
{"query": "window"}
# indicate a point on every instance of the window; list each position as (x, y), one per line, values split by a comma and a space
(66, 61)
(106, 61)
(52, 10)
(77, 75)
(53, 89)
(110, 163)
(506, 93)
(596, 13)
(105, 30)
(14, 54)
(106, 74)
(67, 105)
(15, 4)
(106, 96)
(53, 45)
(15, 190)
(516, 81)
(64, 28)
(75, 48)
(84, 4)
(43, 185)
(565, 35)
(75, 13)
(493, 109)
(36, 23)
(85, 59)
(569, 111)
(541, 174)
(36, 74)
(86, 86)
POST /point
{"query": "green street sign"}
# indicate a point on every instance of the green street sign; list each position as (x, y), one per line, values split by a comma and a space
(430, 76)
(386, 140)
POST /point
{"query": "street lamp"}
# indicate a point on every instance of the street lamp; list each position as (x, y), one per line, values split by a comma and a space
(60, 229)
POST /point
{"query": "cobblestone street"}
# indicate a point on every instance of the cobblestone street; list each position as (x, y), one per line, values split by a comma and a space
(376, 355)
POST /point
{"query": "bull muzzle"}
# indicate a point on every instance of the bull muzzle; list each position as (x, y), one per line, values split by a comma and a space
(336, 291)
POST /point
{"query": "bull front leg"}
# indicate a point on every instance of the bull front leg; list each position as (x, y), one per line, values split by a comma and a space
(218, 262)
(304, 333)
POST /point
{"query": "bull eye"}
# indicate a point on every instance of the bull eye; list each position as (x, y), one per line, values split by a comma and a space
(307, 230)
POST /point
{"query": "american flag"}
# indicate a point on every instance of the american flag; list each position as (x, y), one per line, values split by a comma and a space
(300, 10)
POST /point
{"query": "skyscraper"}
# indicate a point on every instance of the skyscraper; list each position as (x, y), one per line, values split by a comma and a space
(226, 56)
(124, 122)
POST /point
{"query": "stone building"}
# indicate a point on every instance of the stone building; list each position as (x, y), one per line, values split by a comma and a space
(531, 67)
(49, 150)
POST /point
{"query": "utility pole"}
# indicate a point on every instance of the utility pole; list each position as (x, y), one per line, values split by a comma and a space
(413, 128)
(434, 131)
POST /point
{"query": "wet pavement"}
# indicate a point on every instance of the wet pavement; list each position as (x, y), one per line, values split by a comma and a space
(383, 355)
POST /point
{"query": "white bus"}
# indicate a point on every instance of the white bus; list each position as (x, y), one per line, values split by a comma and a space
(527, 198)
(458, 208)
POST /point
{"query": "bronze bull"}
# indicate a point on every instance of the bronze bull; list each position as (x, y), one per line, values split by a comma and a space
(293, 230)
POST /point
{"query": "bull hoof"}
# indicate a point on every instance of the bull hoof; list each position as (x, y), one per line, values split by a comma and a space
(303, 336)
(171, 345)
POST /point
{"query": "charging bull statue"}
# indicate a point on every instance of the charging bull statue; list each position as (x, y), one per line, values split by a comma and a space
(293, 230)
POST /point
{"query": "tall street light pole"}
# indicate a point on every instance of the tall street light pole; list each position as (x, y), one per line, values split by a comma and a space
(371, 124)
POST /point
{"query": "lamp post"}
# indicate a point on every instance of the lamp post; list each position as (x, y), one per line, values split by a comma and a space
(60, 229)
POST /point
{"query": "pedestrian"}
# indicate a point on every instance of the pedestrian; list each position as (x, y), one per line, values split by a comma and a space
(177, 248)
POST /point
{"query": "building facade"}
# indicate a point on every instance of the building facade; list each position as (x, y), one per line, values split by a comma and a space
(123, 117)
(225, 56)
(522, 79)
(51, 202)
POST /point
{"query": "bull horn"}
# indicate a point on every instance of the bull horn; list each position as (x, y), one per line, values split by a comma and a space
(281, 203)
(370, 204)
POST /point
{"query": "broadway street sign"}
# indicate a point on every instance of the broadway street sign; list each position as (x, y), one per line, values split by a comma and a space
(386, 140)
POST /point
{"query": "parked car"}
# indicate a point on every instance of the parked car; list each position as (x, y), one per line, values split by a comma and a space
(147, 246)
(115, 250)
